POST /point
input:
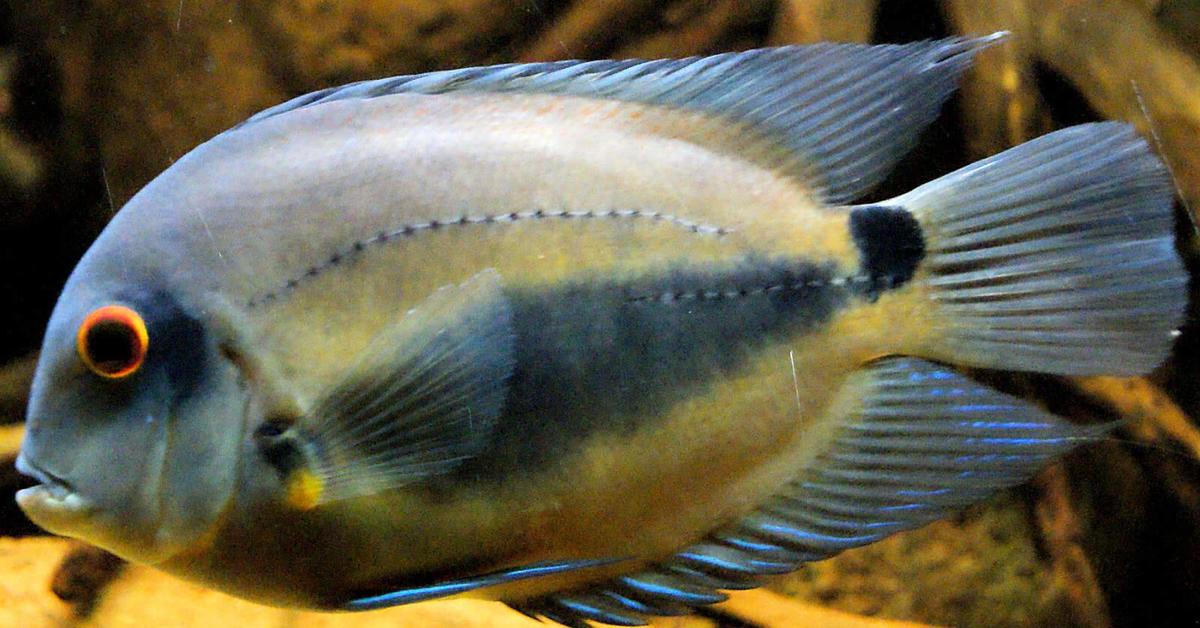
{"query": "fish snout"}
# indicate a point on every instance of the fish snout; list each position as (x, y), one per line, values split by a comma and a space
(53, 502)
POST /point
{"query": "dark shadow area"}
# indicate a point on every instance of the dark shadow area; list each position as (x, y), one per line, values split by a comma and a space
(48, 221)
(942, 147)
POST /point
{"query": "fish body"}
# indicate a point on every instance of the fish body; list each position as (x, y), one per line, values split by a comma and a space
(596, 339)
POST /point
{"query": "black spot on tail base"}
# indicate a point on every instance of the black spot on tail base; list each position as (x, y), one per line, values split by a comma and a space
(890, 242)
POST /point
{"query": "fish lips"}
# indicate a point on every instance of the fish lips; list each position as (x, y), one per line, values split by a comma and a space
(53, 503)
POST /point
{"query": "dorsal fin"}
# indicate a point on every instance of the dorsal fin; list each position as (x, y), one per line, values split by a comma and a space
(924, 442)
(843, 113)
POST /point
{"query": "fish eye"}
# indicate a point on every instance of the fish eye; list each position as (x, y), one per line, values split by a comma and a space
(112, 341)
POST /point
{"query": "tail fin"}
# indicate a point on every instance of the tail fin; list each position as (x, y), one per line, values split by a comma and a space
(1055, 256)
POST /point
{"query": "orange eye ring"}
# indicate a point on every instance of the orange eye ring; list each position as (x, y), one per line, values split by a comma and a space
(112, 341)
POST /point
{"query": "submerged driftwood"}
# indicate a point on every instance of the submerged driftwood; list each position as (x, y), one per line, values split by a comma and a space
(1115, 53)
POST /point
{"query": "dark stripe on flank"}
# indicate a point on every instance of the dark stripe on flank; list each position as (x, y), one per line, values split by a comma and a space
(601, 356)
(890, 245)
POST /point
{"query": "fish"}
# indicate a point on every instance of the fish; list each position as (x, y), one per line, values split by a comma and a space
(602, 340)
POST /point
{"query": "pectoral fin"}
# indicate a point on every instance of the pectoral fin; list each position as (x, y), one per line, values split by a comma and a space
(422, 399)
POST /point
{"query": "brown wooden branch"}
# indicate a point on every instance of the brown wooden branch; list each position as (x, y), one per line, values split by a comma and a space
(14, 392)
(1153, 418)
(12, 521)
(1002, 105)
(15, 379)
(10, 440)
(1128, 69)
(812, 21)
(1060, 528)
(1114, 53)
(588, 29)
(1148, 410)
(699, 27)
(761, 607)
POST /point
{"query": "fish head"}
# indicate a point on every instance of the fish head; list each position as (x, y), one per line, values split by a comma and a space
(137, 410)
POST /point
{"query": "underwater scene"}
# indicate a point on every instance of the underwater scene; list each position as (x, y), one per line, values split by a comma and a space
(681, 313)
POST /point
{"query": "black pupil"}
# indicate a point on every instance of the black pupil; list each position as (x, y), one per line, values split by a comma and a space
(112, 346)
(271, 429)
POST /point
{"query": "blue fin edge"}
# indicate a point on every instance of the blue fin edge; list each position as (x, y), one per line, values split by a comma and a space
(462, 585)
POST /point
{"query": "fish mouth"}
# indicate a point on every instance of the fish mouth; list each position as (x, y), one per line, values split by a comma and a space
(52, 500)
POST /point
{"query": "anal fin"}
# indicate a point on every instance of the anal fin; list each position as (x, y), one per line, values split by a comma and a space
(922, 441)
(448, 588)
(927, 441)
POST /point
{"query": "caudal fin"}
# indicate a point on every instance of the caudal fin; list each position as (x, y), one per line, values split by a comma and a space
(1055, 256)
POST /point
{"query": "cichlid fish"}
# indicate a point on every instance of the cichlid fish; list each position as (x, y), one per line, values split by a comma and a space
(597, 339)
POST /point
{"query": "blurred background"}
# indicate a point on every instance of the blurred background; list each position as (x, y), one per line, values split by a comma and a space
(98, 96)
